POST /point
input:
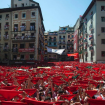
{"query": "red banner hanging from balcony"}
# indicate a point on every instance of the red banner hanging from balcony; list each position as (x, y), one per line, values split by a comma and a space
(27, 50)
(75, 55)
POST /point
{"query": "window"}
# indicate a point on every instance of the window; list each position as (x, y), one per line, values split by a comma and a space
(45, 50)
(7, 15)
(16, 16)
(15, 35)
(0, 16)
(22, 57)
(68, 36)
(59, 47)
(103, 19)
(49, 55)
(33, 5)
(0, 26)
(7, 23)
(31, 56)
(103, 53)
(6, 44)
(63, 36)
(32, 26)
(23, 34)
(54, 43)
(54, 56)
(6, 56)
(60, 37)
(68, 51)
(6, 33)
(15, 27)
(23, 27)
(102, 41)
(45, 36)
(15, 5)
(32, 35)
(22, 46)
(49, 43)
(102, 29)
(102, 8)
(14, 57)
(23, 15)
(22, 4)
(31, 45)
(63, 46)
(33, 14)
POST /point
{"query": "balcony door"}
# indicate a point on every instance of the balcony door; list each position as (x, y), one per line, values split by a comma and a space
(32, 26)
(15, 27)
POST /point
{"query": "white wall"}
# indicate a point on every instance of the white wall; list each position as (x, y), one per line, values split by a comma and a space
(88, 17)
(100, 35)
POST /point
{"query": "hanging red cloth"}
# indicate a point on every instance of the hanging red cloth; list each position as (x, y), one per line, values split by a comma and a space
(30, 92)
(91, 93)
(9, 87)
(96, 102)
(35, 102)
(9, 94)
(12, 103)
(71, 89)
(68, 97)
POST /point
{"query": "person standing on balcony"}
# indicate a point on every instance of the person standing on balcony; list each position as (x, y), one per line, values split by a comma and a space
(31, 28)
(7, 36)
(15, 28)
(4, 36)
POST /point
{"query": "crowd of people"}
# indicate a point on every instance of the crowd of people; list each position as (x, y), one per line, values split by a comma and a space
(63, 83)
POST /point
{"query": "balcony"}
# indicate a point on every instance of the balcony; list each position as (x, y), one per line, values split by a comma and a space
(62, 32)
(85, 40)
(15, 50)
(52, 45)
(64, 53)
(91, 48)
(61, 42)
(27, 50)
(69, 42)
(52, 40)
(32, 28)
(85, 49)
(16, 29)
(70, 52)
(6, 37)
(90, 37)
(6, 18)
(24, 38)
(61, 38)
(23, 28)
(70, 48)
(54, 33)
(45, 53)
(6, 27)
(6, 49)
(45, 41)
(91, 27)
(91, 59)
